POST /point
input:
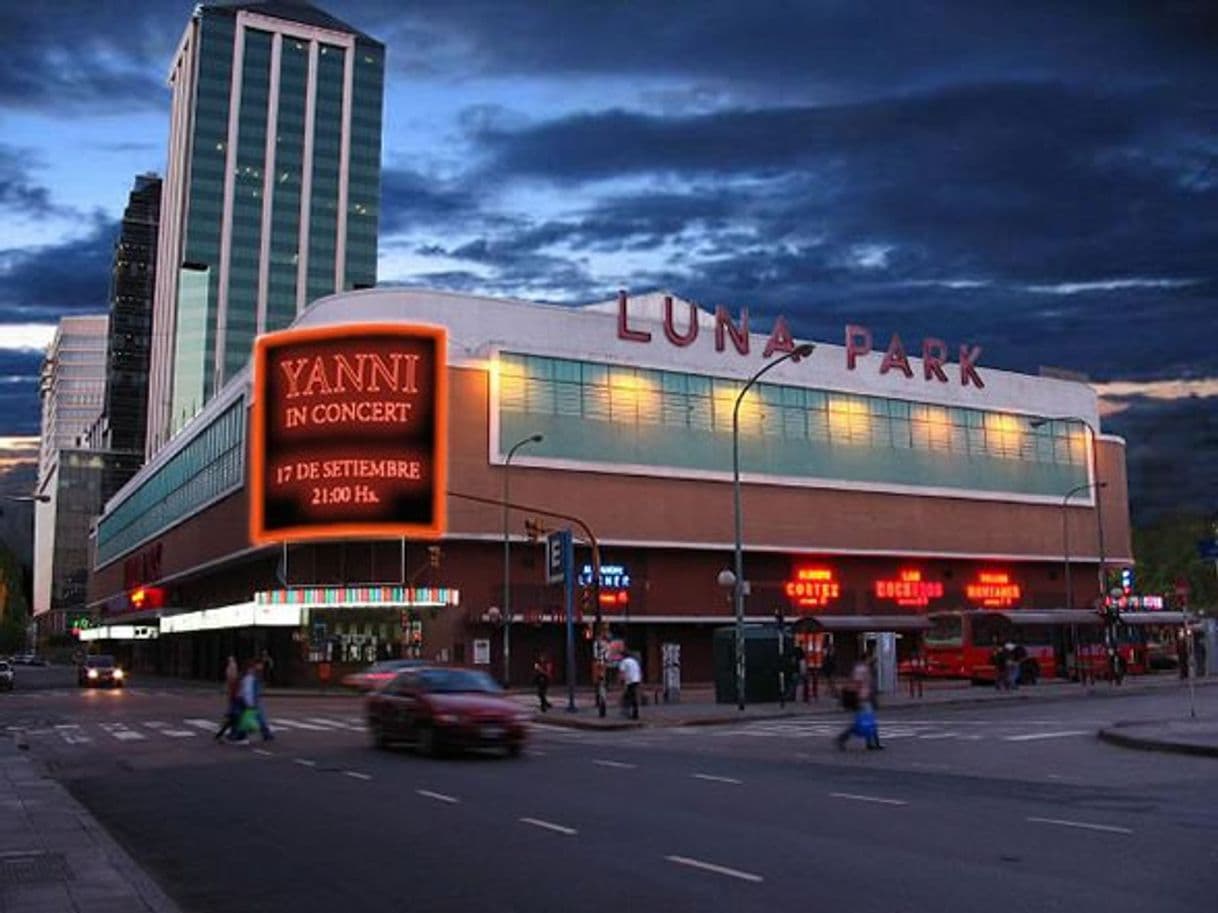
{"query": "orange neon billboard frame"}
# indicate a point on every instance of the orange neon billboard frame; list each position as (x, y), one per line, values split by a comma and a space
(263, 345)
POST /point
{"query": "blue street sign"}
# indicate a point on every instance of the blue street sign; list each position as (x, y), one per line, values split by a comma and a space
(557, 544)
(1208, 549)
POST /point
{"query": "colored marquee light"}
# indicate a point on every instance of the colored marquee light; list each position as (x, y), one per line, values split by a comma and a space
(813, 587)
(147, 597)
(909, 589)
(994, 589)
(348, 433)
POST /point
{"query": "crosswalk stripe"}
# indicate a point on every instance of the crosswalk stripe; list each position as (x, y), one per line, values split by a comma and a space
(198, 723)
(335, 724)
(285, 723)
(165, 730)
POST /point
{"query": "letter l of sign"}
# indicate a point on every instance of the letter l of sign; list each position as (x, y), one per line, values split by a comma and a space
(623, 329)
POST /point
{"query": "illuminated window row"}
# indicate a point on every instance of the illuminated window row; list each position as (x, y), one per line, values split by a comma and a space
(207, 467)
(639, 397)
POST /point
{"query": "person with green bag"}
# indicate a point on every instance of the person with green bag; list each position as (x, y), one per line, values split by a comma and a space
(252, 718)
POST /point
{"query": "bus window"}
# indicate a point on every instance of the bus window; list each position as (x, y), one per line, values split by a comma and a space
(945, 631)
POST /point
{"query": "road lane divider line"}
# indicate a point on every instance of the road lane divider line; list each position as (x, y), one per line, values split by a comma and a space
(1034, 736)
(1083, 825)
(304, 762)
(880, 800)
(932, 736)
(356, 775)
(439, 797)
(550, 826)
(717, 869)
(717, 779)
(264, 752)
(600, 762)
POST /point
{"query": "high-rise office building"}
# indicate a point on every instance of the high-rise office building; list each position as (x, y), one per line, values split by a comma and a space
(72, 385)
(124, 417)
(272, 191)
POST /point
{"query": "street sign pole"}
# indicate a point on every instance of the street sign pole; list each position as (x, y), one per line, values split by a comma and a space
(568, 586)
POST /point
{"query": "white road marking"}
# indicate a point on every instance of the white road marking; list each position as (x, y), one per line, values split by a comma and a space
(356, 775)
(1034, 736)
(1106, 828)
(200, 723)
(304, 762)
(264, 752)
(439, 797)
(165, 730)
(717, 869)
(620, 764)
(550, 826)
(930, 737)
(122, 733)
(333, 724)
(714, 779)
(296, 724)
(859, 798)
(72, 734)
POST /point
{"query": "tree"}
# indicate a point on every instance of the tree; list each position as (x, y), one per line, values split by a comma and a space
(1167, 552)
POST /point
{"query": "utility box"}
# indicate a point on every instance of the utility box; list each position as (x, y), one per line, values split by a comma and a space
(884, 644)
(761, 664)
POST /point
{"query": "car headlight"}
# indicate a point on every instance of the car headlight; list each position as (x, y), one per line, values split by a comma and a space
(447, 719)
(92, 673)
(118, 673)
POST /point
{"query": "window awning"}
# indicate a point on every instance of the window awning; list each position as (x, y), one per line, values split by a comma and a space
(1053, 617)
(1152, 618)
(861, 623)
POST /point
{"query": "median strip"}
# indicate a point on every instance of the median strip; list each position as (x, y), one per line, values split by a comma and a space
(717, 869)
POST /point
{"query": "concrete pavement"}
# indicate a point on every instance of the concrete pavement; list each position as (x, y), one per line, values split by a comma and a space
(55, 857)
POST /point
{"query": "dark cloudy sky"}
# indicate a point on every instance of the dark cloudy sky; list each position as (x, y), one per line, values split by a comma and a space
(1038, 177)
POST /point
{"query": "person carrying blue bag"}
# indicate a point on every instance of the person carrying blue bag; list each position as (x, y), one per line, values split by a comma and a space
(859, 696)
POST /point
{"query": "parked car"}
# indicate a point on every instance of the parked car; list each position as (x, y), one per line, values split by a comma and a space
(6, 676)
(437, 708)
(379, 673)
(100, 670)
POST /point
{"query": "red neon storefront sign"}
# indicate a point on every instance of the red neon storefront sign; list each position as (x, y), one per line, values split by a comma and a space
(909, 589)
(813, 587)
(994, 589)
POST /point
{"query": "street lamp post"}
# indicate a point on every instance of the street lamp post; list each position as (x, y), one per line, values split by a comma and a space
(1078, 657)
(1095, 481)
(738, 584)
(507, 557)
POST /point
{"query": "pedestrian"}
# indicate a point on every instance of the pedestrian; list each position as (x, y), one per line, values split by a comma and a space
(801, 671)
(632, 674)
(1018, 653)
(859, 695)
(999, 658)
(828, 667)
(543, 671)
(251, 698)
(917, 671)
(268, 667)
(232, 686)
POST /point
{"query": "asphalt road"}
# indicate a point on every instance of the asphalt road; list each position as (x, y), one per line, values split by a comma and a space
(1002, 807)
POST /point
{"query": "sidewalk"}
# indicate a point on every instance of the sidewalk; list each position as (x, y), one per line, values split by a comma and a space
(55, 857)
(1194, 737)
(697, 706)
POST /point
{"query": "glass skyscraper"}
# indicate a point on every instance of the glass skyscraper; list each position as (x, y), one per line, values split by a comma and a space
(272, 192)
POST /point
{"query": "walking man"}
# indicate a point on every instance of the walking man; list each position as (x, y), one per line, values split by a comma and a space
(861, 691)
(542, 672)
(251, 697)
(232, 688)
(632, 674)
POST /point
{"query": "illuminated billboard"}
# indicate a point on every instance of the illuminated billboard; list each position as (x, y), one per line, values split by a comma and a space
(909, 589)
(994, 590)
(348, 433)
(813, 587)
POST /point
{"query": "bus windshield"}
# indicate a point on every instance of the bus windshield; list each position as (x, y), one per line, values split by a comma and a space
(945, 630)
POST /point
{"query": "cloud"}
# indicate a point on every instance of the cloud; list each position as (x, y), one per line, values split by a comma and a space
(42, 284)
(19, 192)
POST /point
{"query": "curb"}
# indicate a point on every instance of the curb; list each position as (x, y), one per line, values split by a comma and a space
(1113, 736)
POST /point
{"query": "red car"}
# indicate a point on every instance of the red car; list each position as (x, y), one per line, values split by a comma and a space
(379, 673)
(437, 708)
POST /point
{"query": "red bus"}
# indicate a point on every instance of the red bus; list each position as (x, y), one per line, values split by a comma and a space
(1058, 642)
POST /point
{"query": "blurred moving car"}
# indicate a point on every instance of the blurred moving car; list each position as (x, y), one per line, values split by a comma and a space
(27, 659)
(437, 708)
(379, 673)
(100, 670)
(6, 676)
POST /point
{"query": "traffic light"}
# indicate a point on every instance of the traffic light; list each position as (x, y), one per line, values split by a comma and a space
(587, 600)
(433, 555)
(1127, 579)
(534, 529)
